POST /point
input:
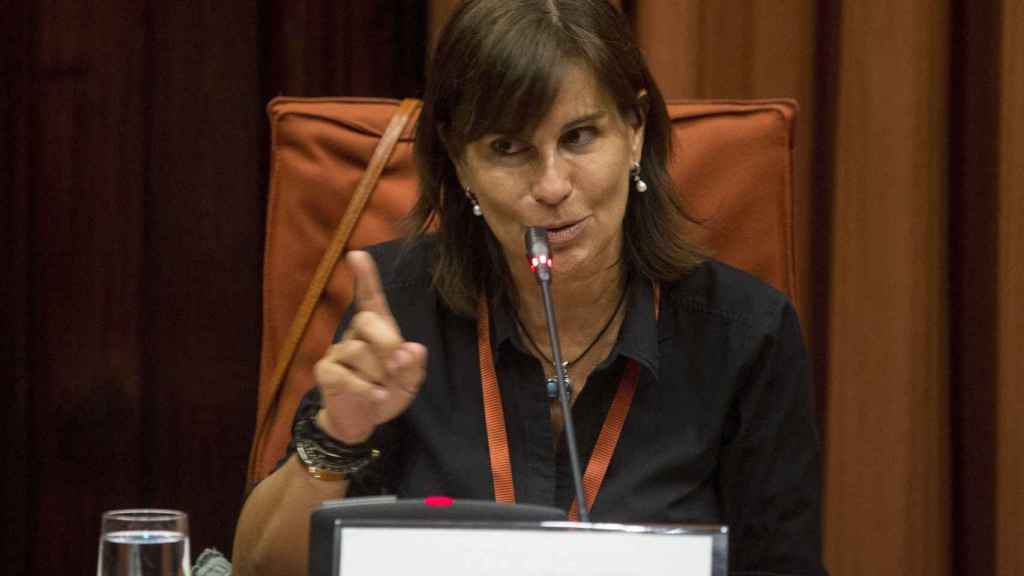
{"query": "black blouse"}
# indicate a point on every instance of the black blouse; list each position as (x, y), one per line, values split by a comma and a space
(720, 430)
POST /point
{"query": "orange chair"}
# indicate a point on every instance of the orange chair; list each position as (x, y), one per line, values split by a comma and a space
(733, 167)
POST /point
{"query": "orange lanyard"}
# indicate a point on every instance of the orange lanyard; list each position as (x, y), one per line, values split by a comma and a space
(497, 436)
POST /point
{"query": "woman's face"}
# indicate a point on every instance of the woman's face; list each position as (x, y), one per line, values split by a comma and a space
(570, 176)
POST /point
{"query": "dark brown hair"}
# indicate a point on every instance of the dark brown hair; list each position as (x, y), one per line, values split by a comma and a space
(496, 69)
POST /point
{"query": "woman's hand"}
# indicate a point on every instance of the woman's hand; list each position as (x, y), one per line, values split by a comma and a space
(373, 374)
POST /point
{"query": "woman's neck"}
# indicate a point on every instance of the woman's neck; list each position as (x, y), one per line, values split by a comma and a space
(582, 306)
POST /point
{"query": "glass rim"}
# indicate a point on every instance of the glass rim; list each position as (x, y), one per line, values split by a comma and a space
(145, 514)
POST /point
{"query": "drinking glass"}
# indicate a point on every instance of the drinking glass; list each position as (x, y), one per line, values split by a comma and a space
(144, 542)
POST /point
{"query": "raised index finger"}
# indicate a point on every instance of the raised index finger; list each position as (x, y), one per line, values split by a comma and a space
(368, 296)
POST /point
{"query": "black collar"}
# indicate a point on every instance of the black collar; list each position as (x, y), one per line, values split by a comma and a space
(638, 336)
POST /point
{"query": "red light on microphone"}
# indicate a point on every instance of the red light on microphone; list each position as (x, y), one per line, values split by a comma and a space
(438, 501)
(541, 260)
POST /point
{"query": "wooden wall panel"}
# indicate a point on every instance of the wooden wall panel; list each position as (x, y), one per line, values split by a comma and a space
(1010, 479)
(204, 226)
(887, 476)
(15, 66)
(671, 39)
(783, 55)
(973, 243)
(346, 48)
(86, 139)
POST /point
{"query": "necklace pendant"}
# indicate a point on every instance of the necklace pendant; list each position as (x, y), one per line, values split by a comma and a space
(552, 384)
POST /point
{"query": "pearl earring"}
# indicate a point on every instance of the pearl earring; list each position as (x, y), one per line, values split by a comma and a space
(477, 211)
(638, 182)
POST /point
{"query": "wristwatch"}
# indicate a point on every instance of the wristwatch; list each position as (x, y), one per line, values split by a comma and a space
(326, 458)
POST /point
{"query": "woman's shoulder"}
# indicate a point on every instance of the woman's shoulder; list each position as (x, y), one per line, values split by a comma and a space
(717, 289)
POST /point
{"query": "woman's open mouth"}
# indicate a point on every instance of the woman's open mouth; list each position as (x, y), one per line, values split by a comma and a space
(567, 233)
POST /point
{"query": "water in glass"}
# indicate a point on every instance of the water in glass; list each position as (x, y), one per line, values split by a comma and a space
(144, 543)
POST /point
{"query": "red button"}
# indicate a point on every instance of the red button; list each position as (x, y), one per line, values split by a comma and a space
(439, 501)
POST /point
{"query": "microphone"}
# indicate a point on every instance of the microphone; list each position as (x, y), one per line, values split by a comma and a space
(538, 252)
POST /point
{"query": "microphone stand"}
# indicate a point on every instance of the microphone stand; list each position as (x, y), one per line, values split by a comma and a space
(539, 254)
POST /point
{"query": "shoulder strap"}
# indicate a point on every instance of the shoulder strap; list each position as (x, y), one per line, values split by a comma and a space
(379, 159)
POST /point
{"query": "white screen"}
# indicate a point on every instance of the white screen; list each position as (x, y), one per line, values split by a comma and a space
(374, 551)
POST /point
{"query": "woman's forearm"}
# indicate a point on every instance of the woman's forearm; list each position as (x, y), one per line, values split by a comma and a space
(272, 536)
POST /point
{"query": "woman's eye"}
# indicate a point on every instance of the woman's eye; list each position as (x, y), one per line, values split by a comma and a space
(579, 136)
(506, 147)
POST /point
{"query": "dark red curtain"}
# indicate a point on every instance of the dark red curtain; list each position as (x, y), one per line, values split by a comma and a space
(134, 176)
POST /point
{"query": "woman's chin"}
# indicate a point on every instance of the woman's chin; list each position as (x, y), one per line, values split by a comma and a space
(573, 265)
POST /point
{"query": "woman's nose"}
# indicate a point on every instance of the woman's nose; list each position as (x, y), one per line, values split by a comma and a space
(553, 183)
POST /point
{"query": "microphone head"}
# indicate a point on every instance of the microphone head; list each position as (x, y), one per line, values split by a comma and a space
(537, 250)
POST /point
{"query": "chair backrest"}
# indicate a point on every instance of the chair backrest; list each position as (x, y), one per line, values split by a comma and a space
(732, 166)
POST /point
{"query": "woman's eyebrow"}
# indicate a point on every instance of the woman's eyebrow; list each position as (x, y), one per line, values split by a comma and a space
(574, 123)
(585, 119)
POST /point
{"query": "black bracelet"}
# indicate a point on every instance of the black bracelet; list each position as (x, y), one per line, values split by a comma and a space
(320, 452)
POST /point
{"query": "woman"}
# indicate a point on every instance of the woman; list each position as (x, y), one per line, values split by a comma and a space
(542, 113)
